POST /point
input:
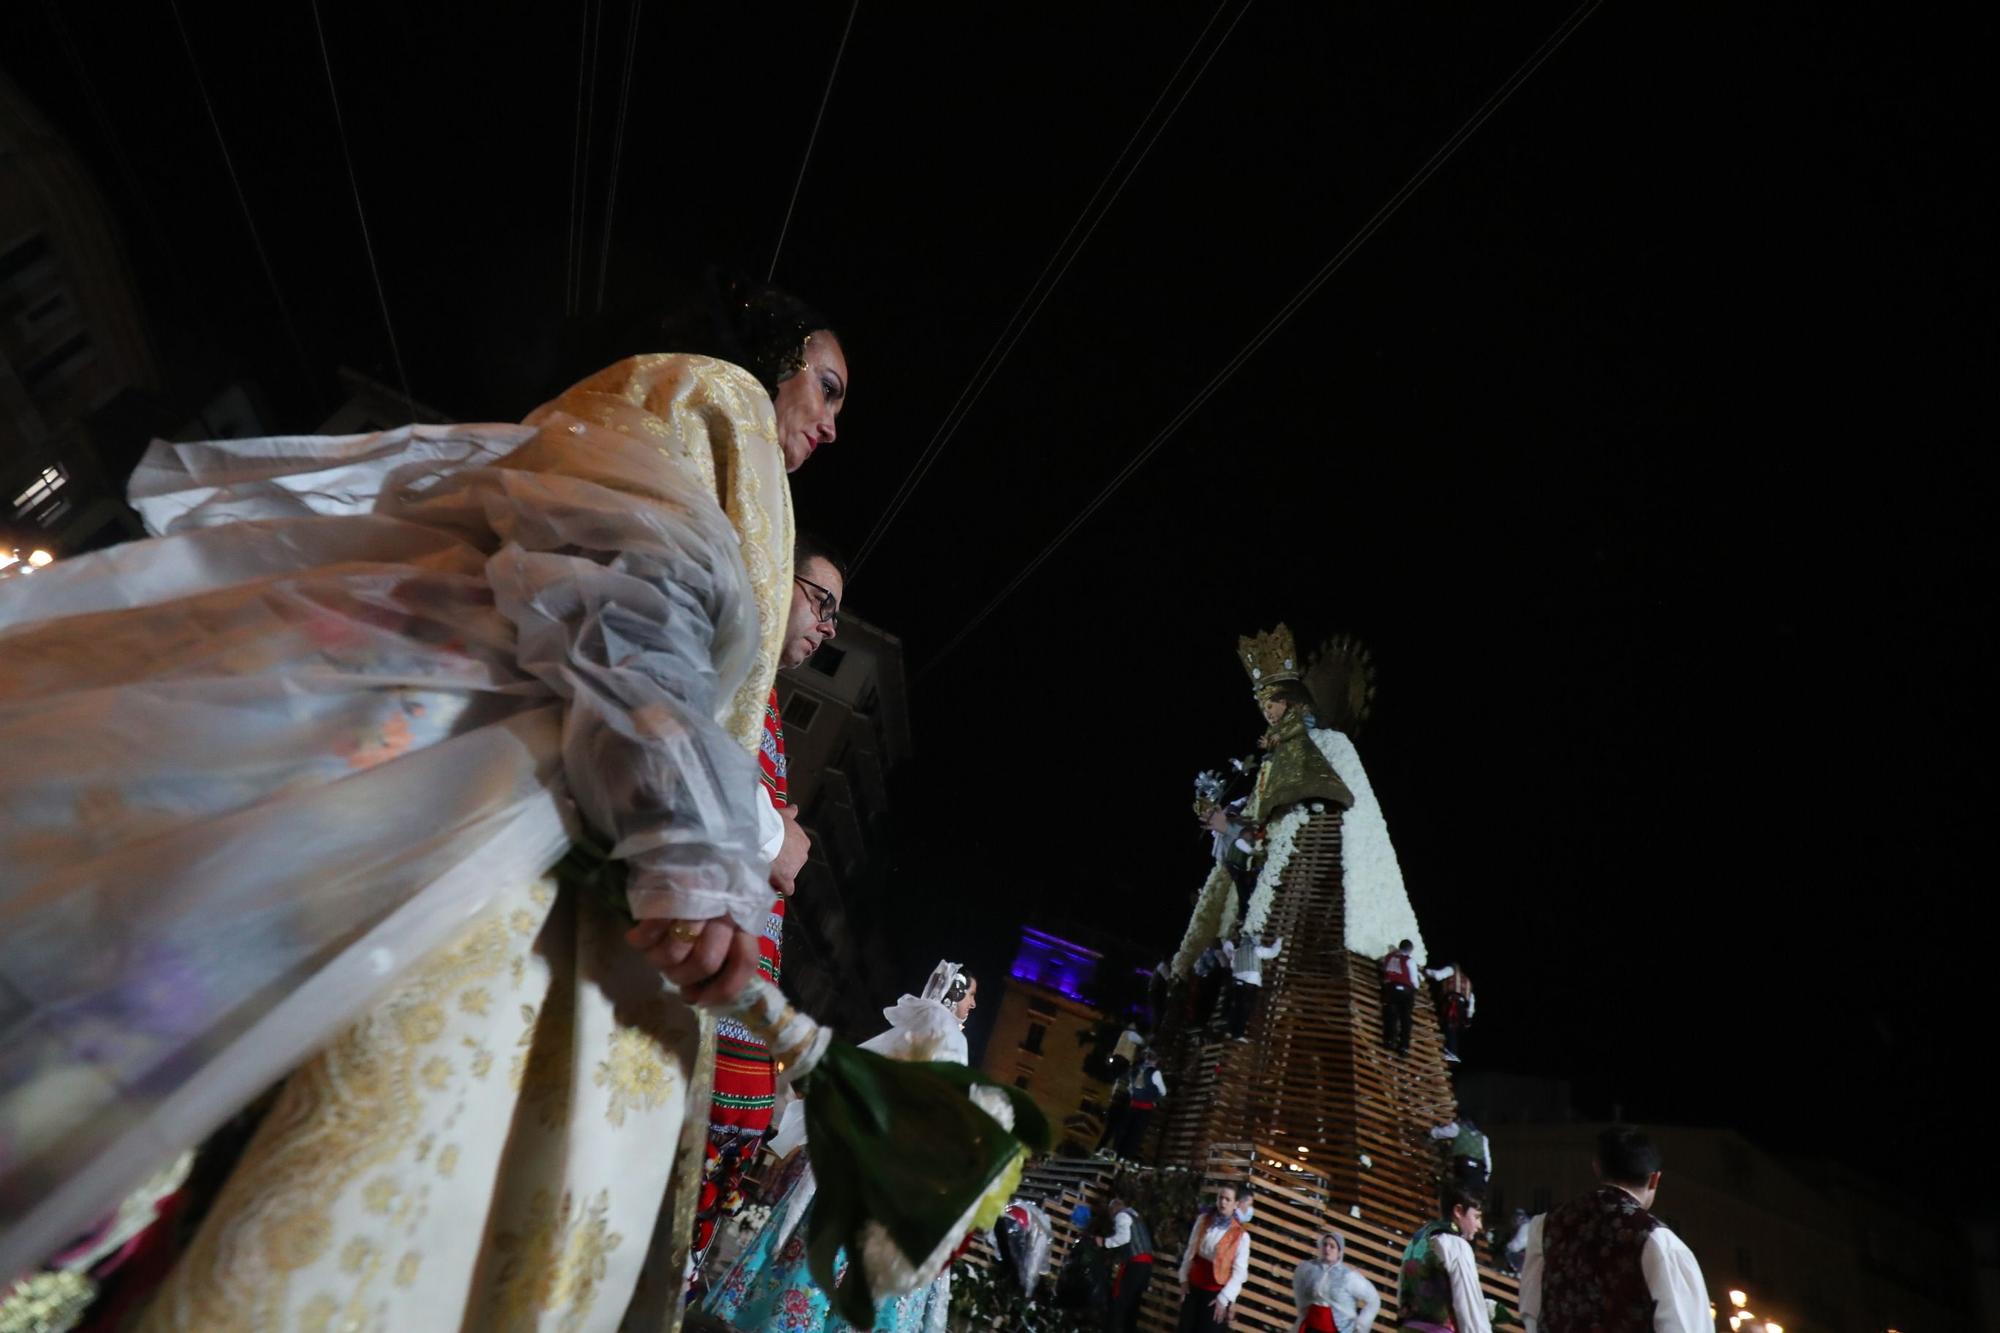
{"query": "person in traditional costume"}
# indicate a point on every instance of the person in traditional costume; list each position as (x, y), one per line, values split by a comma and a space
(1468, 1150)
(1129, 1247)
(287, 783)
(1211, 972)
(769, 1286)
(1246, 956)
(1330, 1297)
(1456, 1004)
(745, 1090)
(1023, 1238)
(1515, 1252)
(1399, 996)
(1145, 1089)
(1439, 1288)
(1604, 1264)
(1214, 1264)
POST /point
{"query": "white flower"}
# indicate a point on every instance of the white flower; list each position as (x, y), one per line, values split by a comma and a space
(1278, 845)
(994, 1102)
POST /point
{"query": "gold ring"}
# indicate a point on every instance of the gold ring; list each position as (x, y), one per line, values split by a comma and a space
(686, 931)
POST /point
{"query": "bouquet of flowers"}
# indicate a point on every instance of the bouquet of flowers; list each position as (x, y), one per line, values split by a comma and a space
(911, 1156)
(1209, 784)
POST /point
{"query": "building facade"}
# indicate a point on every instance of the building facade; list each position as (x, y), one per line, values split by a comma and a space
(847, 733)
(71, 340)
(1045, 1031)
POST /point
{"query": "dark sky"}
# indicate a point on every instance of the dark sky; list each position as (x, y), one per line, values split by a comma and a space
(1640, 446)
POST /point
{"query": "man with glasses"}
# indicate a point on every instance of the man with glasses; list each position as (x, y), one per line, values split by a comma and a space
(818, 581)
(745, 1094)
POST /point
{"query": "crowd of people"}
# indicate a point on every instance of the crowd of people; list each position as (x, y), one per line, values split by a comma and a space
(1601, 1263)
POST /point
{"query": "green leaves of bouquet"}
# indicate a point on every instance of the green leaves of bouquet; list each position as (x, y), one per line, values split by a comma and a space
(908, 1164)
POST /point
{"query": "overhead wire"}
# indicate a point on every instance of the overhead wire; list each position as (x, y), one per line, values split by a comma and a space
(354, 182)
(812, 139)
(1493, 103)
(617, 150)
(591, 133)
(1017, 324)
(243, 202)
(574, 257)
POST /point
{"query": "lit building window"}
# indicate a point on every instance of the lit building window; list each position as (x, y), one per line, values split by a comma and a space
(41, 492)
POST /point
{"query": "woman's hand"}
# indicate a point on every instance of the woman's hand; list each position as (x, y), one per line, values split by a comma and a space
(710, 968)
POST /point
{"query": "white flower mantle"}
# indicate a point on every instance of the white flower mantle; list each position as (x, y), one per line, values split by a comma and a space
(1280, 840)
(1379, 914)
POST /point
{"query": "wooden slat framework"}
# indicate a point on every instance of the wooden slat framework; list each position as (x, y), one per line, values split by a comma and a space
(1312, 1109)
(1294, 1111)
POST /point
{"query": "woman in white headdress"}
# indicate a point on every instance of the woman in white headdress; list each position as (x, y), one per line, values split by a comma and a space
(770, 1287)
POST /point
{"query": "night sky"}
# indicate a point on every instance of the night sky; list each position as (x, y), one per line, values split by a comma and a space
(1640, 446)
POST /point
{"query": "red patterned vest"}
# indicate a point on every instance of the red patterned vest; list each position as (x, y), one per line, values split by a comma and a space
(745, 1084)
(1591, 1279)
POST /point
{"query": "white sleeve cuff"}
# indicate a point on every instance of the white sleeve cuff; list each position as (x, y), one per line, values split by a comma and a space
(770, 827)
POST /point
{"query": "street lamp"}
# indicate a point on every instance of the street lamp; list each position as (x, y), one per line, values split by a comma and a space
(40, 558)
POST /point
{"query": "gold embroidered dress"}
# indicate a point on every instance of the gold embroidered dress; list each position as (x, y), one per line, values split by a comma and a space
(1293, 771)
(285, 784)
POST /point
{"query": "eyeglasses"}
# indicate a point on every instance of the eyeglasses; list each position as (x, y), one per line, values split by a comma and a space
(829, 609)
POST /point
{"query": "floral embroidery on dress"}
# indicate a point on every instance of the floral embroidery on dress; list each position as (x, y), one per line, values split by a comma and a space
(635, 1072)
(555, 1263)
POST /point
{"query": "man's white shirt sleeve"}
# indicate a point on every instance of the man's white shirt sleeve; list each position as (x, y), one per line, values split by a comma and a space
(1531, 1276)
(1468, 1302)
(1680, 1297)
(770, 829)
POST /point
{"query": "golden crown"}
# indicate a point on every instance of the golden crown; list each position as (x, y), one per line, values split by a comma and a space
(1269, 658)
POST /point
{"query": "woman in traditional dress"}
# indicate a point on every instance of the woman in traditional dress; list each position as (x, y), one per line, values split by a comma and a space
(1329, 1296)
(291, 777)
(769, 1287)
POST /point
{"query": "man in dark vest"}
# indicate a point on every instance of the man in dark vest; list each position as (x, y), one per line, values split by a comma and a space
(1130, 1249)
(1146, 1090)
(1604, 1264)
